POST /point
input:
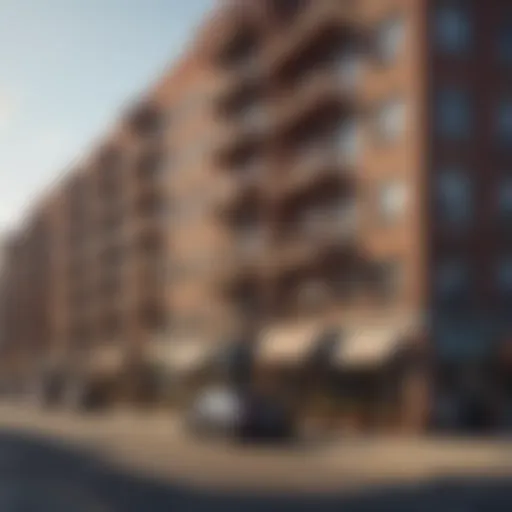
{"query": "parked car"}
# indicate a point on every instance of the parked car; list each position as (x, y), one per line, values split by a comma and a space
(266, 419)
(216, 411)
(223, 412)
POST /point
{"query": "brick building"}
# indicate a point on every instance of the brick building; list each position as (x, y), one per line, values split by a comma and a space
(307, 166)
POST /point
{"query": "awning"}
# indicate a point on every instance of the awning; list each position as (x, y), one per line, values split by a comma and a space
(372, 345)
(183, 356)
(106, 360)
(288, 344)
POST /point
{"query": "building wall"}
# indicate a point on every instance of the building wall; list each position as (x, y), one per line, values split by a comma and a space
(136, 251)
(474, 323)
(108, 284)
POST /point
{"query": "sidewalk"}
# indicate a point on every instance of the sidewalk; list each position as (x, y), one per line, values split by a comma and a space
(155, 443)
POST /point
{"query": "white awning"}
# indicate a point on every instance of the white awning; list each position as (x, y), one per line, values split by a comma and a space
(371, 345)
(183, 356)
(288, 344)
(108, 359)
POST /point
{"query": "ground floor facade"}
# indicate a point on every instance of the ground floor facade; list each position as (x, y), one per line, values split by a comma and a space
(391, 373)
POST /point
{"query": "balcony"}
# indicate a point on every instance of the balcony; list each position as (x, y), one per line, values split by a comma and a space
(322, 23)
(243, 261)
(109, 186)
(152, 316)
(314, 235)
(110, 229)
(336, 223)
(233, 35)
(150, 165)
(146, 121)
(327, 94)
(285, 12)
(234, 97)
(149, 205)
(110, 286)
(249, 245)
(110, 325)
(323, 165)
(300, 294)
(149, 278)
(144, 227)
(242, 133)
(241, 188)
(109, 160)
(245, 76)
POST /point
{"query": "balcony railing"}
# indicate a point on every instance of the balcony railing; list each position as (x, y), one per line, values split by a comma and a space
(246, 128)
(244, 259)
(249, 70)
(314, 234)
(321, 89)
(240, 190)
(311, 22)
(316, 164)
(147, 120)
(333, 224)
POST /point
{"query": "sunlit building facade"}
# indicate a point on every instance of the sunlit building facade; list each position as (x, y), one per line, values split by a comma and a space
(308, 170)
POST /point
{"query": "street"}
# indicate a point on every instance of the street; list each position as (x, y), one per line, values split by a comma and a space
(124, 461)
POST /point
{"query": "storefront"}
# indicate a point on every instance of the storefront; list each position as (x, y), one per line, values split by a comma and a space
(504, 376)
(179, 368)
(281, 359)
(470, 378)
(380, 376)
(354, 375)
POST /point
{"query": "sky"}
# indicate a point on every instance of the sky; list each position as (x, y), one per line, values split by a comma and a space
(67, 67)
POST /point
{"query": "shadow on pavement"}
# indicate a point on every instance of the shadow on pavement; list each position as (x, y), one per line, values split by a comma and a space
(38, 474)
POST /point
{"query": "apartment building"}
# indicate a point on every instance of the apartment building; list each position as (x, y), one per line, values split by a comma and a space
(308, 170)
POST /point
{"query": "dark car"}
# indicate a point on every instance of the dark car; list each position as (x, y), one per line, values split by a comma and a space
(266, 419)
(226, 413)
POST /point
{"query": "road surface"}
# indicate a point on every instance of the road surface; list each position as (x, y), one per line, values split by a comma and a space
(144, 462)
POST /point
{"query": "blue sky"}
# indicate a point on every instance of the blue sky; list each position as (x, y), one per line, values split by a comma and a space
(67, 66)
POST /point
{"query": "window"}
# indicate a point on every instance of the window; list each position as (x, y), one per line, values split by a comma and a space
(349, 66)
(454, 197)
(390, 38)
(348, 141)
(504, 276)
(505, 197)
(390, 120)
(504, 121)
(451, 281)
(392, 200)
(504, 42)
(452, 27)
(453, 114)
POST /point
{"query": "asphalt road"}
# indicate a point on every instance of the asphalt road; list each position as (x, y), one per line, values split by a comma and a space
(59, 463)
